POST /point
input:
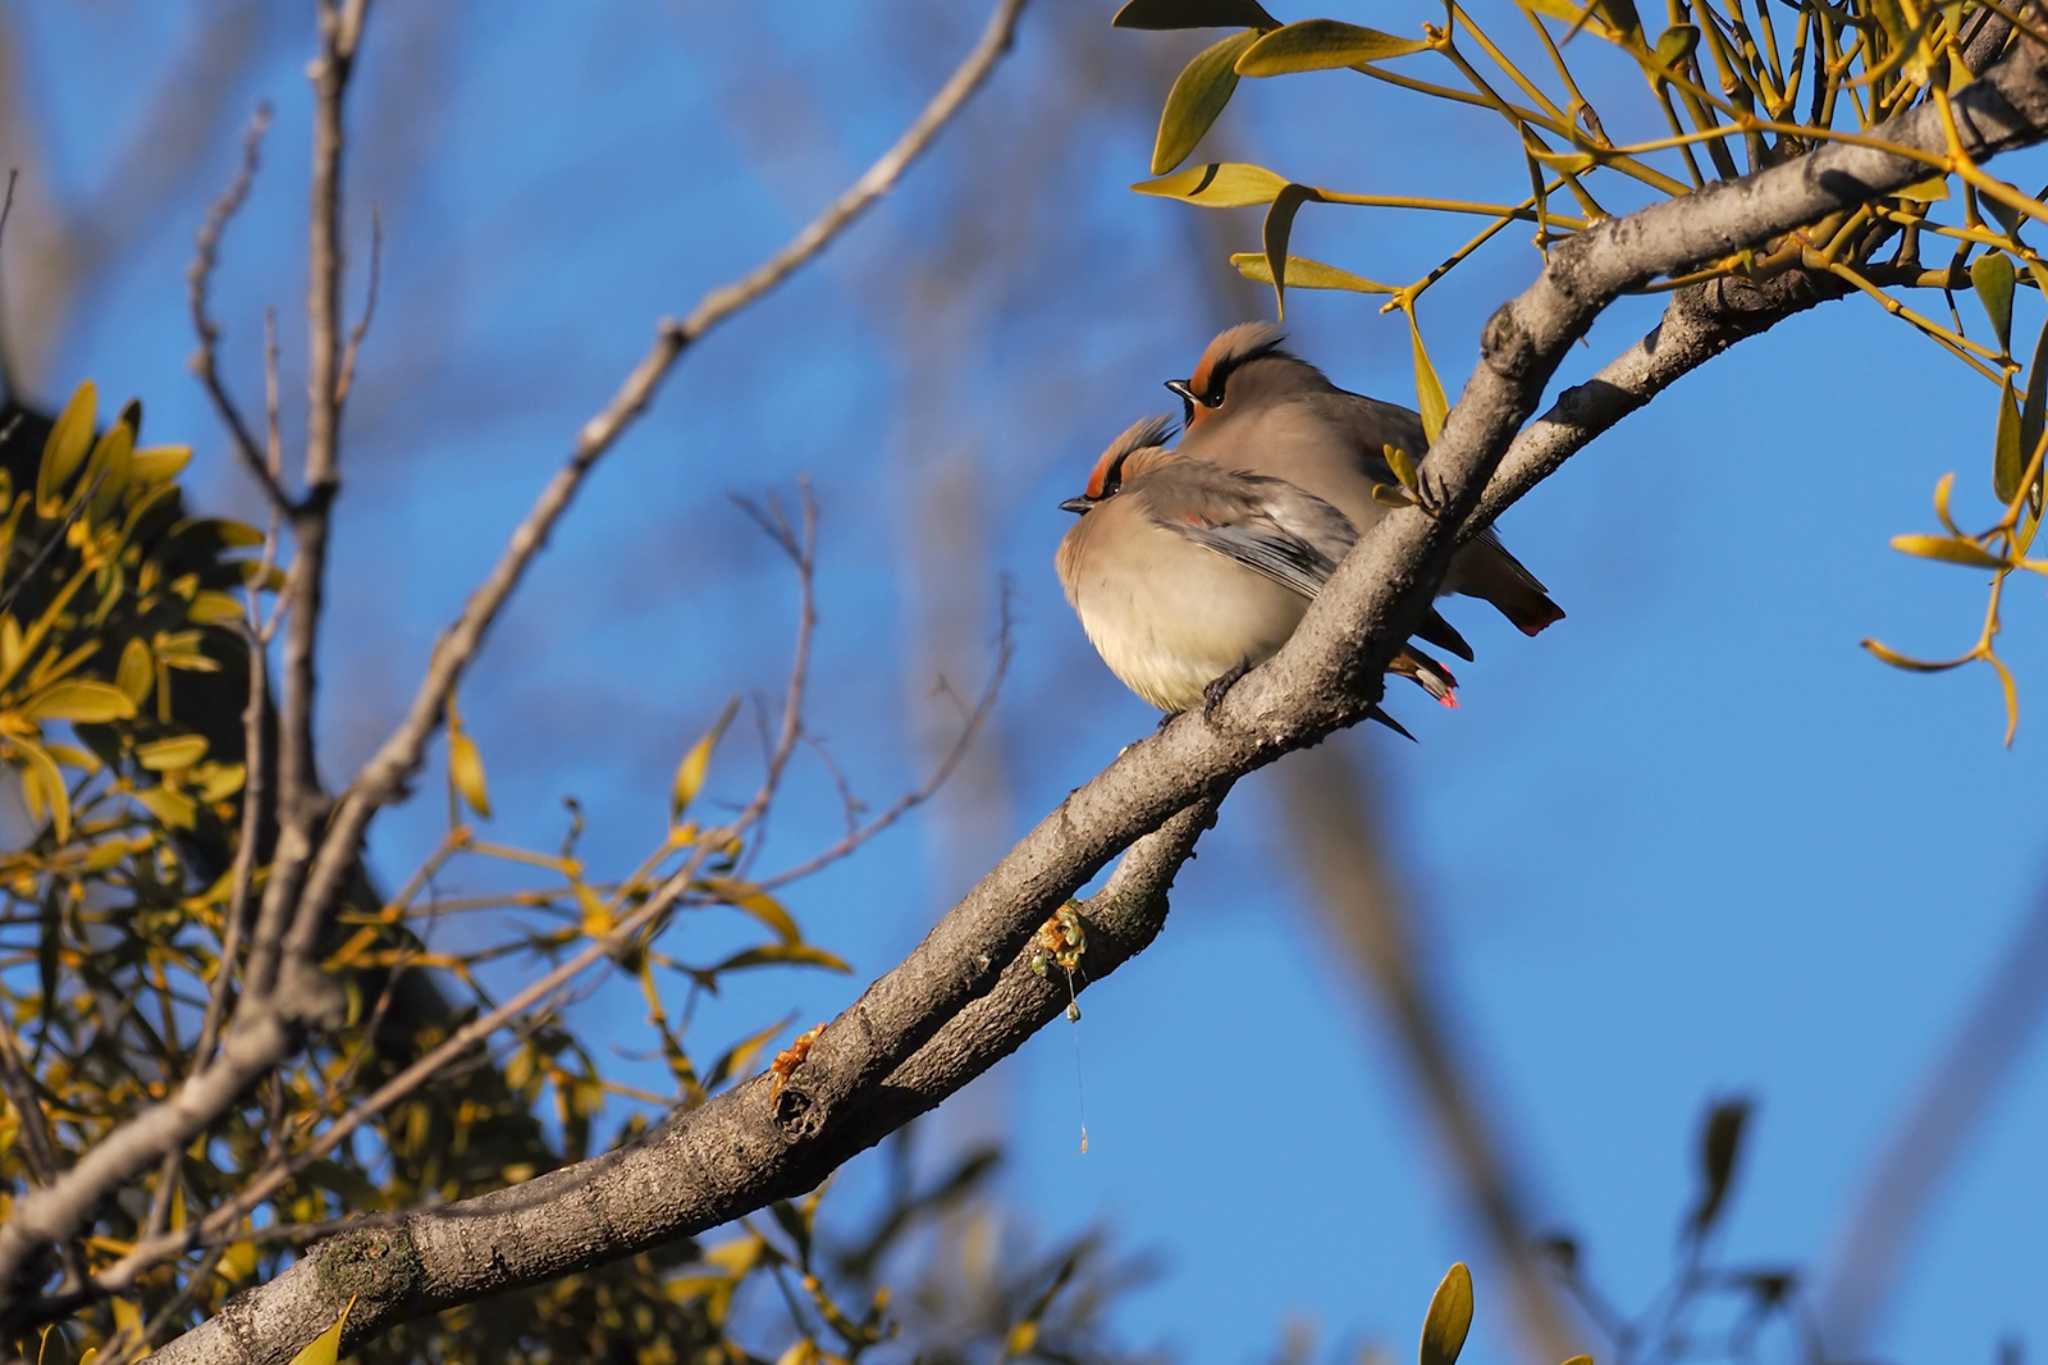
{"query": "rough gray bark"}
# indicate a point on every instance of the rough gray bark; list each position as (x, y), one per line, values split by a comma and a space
(875, 1066)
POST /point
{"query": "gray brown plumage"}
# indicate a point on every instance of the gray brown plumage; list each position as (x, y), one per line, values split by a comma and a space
(1253, 406)
(1185, 573)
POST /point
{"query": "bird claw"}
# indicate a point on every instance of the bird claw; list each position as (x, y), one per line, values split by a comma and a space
(1431, 495)
(1213, 694)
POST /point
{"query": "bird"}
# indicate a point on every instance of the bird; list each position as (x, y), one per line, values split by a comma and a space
(1185, 574)
(1254, 406)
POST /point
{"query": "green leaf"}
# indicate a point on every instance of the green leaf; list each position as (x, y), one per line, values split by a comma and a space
(755, 902)
(171, 755)
(2007, 462)
(1278, 227)
(740, 1055)
(1217, 185)
(158, 464)
(79, 700)
(1952, 549)
(1450, 1318)
(325, 1349)
(42, 786)
(107, 472)
(1303, 273)
(1676, 43)
(690, 773)
(213, 608)
(1994, 278)
(1429, 390)
(783, 955)
(2034, 412)
(1199, 94)
(1403, 466)
(466, 773)
(1158, 14)
(65, 448)
(172, 808)
(1931, 190)
(1322, 45)
(136, 673)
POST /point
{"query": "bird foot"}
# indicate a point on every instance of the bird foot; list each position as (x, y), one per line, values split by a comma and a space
(1213, 694)
(1431, 495)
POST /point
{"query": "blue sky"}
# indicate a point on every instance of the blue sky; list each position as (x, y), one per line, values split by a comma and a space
(1691, 842)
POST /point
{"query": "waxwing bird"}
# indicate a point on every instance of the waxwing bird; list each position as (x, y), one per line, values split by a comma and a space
(1186, 574)
(1254, 406)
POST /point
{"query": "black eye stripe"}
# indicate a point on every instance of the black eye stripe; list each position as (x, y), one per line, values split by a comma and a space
(1114, 478)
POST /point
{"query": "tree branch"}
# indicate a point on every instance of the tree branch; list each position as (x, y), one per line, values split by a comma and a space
(747, 1146)
(632, 1199)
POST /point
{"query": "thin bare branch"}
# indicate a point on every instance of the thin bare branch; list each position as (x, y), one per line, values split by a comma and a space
(199, 278)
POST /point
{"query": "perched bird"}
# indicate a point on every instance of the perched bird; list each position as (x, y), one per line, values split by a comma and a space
(1255, 407)
(1186, 574)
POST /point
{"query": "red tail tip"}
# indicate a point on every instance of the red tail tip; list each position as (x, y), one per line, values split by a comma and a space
(1449, 700)
(1537, 624)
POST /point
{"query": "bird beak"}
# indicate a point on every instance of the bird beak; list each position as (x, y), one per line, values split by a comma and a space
(1078, 506)
(1183, 390)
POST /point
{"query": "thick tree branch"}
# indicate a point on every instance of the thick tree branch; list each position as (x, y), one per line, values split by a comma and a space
(633, 1198)
(737, 1151)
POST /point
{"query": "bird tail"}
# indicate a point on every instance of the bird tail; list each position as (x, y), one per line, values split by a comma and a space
(1431, 676)
(1485, 569)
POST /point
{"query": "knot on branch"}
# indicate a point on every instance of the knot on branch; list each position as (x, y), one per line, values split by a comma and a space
(373, 1264)
(798, 1116)
(1505, 345)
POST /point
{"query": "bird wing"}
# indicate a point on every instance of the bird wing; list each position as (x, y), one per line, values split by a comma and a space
(1270, 527)
(1371, 424)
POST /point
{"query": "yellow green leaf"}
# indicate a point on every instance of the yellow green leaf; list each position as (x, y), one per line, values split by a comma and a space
(1886, 654)
(1676, 43)
(1193, 14)
(755, 902)
(212, 608)
(1303, 273)
(325, 1349)
(12, 644)
(1322, 45)
(1994, 278)
(238, 1262)
(1950, 549)
(219, 781)
(107, 471)
(127, 1318)
(696, 764)
(79, 700)
(2007, 463)
(740, 1056)
(42, 786)
(136, 671)
(1429, 390)
(65, 448)
(158, 464)
(1450, 1318)
(1217, 185)
(1403, 466)
(1278, 227)
(783, 955)
(1931, 190)
(172, 808)
(466, 772)
(171, 755)
(1199, 94)
(72, 757)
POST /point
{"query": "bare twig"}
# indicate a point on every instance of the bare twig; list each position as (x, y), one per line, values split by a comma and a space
(970, 727)
(199, 276)
(362, 327)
